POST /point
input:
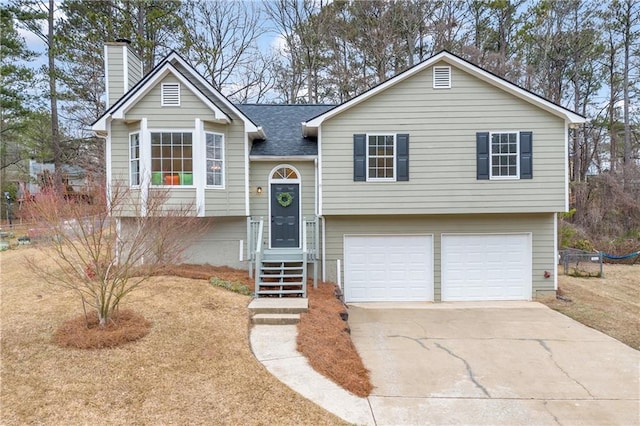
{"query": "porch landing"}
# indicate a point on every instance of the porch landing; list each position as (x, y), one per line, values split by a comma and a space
(269, 310)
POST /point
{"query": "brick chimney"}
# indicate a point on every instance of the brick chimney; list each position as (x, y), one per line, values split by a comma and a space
(123, 69)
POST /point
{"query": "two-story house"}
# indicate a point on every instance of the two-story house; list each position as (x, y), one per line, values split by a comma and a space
(440, 184)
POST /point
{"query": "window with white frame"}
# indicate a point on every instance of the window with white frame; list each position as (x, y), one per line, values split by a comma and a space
(134, 158)
(171, 158)
(215, 159)
(381, 157)
(504, 155)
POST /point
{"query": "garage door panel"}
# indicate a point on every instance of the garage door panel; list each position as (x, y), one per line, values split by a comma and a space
(486, 267)
(388, 268)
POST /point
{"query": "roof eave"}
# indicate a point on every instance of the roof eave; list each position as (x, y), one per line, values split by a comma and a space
(310, 127)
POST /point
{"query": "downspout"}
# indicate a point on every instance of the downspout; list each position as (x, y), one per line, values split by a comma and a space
(199, 177)
(247, 208)
(320, 212)
(145, 163)
(107, 159)
(566, 166)
(555, 252)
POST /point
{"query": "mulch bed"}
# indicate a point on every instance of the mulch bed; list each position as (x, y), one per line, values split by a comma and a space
(323, 337)
(85, 333)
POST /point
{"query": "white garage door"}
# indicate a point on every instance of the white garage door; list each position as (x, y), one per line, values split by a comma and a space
(388, 268)
(486, 267)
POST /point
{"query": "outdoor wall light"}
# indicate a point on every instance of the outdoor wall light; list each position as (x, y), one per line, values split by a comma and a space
(259, 190)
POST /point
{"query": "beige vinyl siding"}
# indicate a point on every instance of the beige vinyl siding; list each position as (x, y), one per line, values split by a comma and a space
(120, 151)
(230, 200)
(540, 225)
(205, 90)
(220, 244)
(227, 201)
(178, 117)
(259, 177)
(442, 125)
(135, 69)
(115, 69)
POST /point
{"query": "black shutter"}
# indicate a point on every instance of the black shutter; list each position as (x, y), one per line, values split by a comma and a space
(359, 157)
(526, 155)
(482, 155)
(402, 147)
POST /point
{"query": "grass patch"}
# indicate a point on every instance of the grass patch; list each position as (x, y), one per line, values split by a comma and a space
(234, 286)
(610, 304)
(195, 366)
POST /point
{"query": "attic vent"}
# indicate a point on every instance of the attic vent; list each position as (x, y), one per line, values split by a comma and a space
(171, 94)
(441, 77)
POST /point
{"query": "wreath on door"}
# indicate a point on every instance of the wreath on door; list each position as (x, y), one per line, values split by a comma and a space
(285, 199)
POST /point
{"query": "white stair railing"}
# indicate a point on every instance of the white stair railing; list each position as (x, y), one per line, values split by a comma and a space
(254, 240)
(311, 246)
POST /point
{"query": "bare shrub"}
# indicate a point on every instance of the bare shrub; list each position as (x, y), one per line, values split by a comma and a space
(99, 260)
(608, 210)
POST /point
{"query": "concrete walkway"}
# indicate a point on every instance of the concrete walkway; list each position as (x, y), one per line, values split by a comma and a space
(497, 363)
(275, 347)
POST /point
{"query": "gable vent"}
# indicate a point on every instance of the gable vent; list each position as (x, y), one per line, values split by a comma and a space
(171, 94)
(441, 77)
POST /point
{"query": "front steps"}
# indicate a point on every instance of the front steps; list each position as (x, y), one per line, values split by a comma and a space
(277, 311)
(282, 273)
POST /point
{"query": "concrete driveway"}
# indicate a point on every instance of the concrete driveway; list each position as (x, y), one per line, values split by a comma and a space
(500, 363)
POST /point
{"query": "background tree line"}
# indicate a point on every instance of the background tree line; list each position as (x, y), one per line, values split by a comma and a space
(583, 55)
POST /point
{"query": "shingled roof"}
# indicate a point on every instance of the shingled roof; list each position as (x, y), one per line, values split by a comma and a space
(282, 125)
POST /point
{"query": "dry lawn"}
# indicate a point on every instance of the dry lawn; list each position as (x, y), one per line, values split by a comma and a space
(194, 367)
(610, 304)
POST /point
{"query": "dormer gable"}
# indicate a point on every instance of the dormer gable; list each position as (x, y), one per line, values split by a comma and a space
(187, 78)
(441, 65)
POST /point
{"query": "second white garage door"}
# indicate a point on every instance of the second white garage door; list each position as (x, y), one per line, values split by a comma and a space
(486, 267)
(384, 268)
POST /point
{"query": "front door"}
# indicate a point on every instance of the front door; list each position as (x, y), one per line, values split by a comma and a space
(285, 215)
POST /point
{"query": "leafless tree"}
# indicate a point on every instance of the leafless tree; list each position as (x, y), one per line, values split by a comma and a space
(104, 247)
(220, 38)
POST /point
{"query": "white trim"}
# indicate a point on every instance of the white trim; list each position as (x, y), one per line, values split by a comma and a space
(297, 181)
(107, 159)
(145, 165)
(459, 63)
(140, 175)
(199, 167)
(106, 75)
(315, 188)
(224, 163)
(555, 252)
(282, 157)
(566, 167)
(241, 250)
(156, 75)
(395, 158)
(247, 202)
(500, 132)
(320, 177)
(324, 251)
(150, 84)
(249, 126)
(170, 94)
(437, 82)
